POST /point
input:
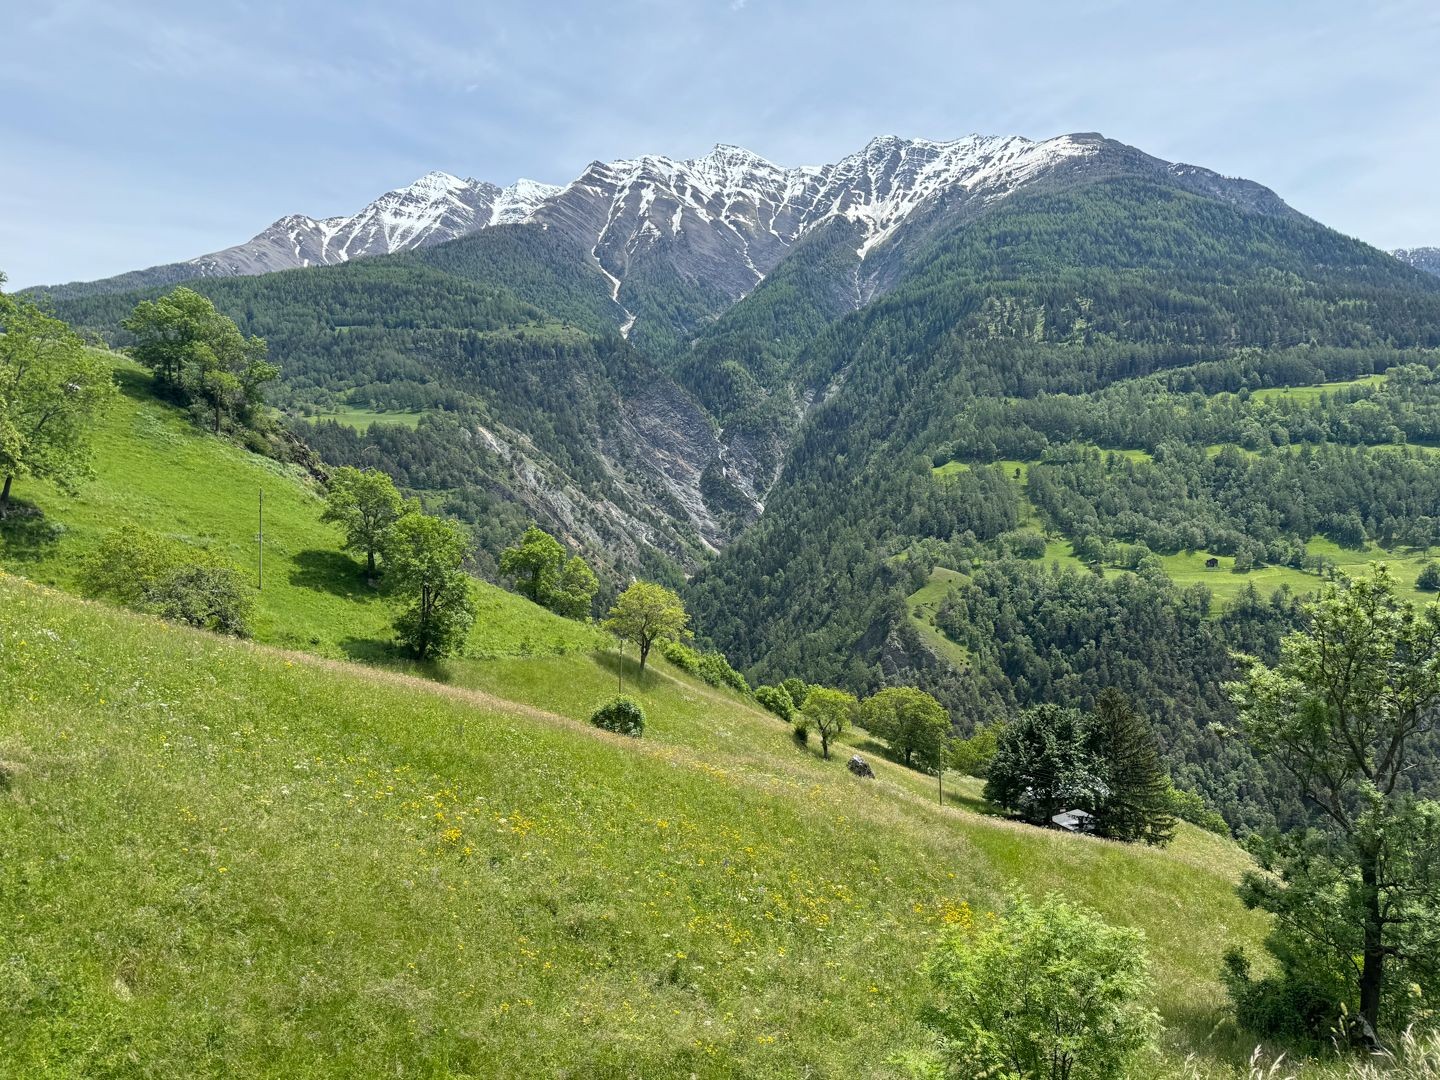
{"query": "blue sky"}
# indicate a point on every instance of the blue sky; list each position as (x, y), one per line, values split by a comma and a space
(138, 133)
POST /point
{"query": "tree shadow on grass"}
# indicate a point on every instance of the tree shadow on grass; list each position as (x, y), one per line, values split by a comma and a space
(373, 651)
(26, 534)
(628, 670)
(974, 803)
(333, 572)
(138, 385)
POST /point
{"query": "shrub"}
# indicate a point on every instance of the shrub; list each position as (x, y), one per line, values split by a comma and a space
(777, 700)
(1429, 578)
(1048, 990)
(681, 655)
(622, 715)
(152, 573)
(801, 731)
(1188, 806)
(210, 597)
(716, 670)
(1301, 1000)
(710, 666)
(798, 690)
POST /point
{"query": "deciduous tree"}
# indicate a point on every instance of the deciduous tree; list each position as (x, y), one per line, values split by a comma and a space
(1045, 762)
(424, 556)
(366, 504)
(828, 712)
(646, 613)
(52, 389)
(912, 722)
(1046, 992)
(1345, 713)
(199, 355)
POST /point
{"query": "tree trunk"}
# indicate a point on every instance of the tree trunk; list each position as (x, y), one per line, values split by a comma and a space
(217, 419)
(370, 563)
(824, 746)
(5, 496)
(1372, 974)
(644, 652)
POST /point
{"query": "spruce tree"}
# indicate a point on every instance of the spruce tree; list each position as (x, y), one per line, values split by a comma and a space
(1137, 806)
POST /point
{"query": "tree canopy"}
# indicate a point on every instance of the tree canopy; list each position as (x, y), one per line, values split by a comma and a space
(829, 712)
(1047, 991)
(543, 572)
(646, 613)
(1344, 712)
(199, 355)
(424, 556)
(914, 724)
(52, 388)
(367, 505)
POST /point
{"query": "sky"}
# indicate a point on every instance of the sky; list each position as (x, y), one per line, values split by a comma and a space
(139, 133)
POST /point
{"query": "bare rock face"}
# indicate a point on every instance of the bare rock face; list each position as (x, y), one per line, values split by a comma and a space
(858, 766)
(1421, 258)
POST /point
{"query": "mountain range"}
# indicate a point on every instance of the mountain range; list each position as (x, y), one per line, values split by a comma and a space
(846, 408)
(722, 221)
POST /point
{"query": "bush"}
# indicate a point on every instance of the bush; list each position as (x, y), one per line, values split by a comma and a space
(681, 655)
(622, 715)
(1047, 990)
(801, 730)
(155, 574)
(210, 597)
(1302, 1000)
(1429, 578)
(776, 699)
(1188, 806)
(711, 666)
(798, 690)
(716, 670)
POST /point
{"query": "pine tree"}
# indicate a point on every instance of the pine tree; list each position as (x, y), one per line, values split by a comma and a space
(1138, 804)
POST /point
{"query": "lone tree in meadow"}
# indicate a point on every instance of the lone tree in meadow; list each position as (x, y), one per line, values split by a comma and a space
(199, 356)
(912, 722)
(366, 504)
(424, 555)
(1346, 713)
(646, 613)
(534, 564)
(52, 389)
(828, 712)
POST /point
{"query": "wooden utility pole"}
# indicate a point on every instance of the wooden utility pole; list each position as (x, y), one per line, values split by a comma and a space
(260, 547)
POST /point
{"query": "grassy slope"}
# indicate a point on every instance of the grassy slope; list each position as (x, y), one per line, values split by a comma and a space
(361, 419)
(329, 870)
(154, 468)
(712, 899)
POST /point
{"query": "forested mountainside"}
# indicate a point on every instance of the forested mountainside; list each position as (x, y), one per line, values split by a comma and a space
(1008, 425)
(1005, 334)
(521, 403)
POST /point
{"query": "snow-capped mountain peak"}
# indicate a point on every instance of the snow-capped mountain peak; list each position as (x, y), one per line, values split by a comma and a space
(725, 218)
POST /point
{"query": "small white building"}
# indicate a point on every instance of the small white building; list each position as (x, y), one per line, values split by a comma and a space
(1074, 821)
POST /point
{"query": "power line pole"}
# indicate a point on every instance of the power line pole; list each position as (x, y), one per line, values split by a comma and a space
(260, 547)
